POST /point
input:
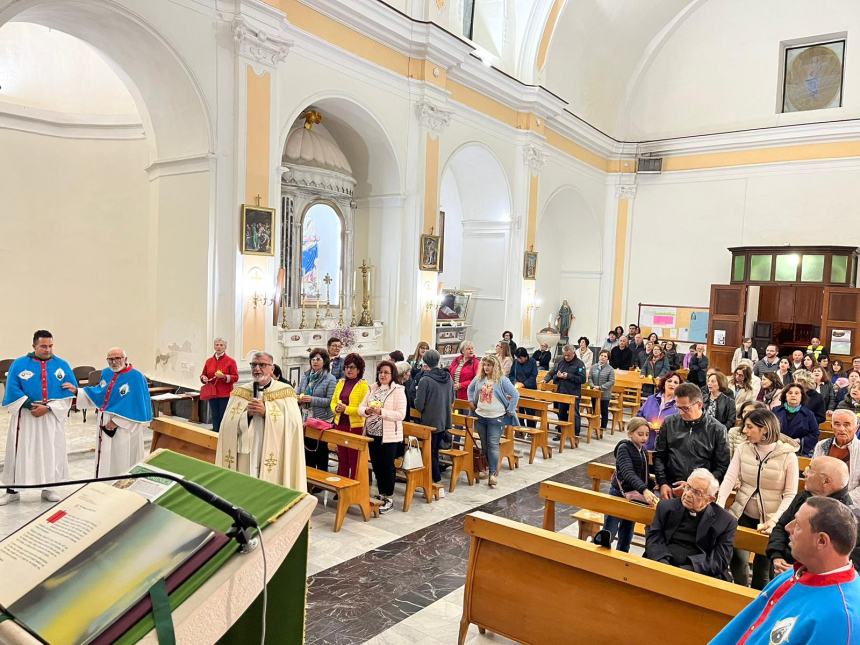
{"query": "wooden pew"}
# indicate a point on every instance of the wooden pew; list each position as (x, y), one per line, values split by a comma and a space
(552, 492)
(591, 402)
(349, 491)
(514, 568)
(566, 429)
(535, 411)
(419, 477)
(461, 458)
(185, 438)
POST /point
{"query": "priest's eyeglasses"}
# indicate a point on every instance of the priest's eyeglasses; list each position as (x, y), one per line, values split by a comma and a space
(115, 358)
(261, 365)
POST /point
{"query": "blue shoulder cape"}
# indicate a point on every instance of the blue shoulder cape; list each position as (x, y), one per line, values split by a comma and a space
(129, 395)
(25, 379)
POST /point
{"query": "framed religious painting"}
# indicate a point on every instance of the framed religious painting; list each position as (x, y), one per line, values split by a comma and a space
(258, 226)
(530, 265)
(428, 255)
(812, 76)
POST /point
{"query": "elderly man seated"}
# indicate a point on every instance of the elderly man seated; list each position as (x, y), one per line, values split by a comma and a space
(844, 445)
(825, 477)
(692, 532)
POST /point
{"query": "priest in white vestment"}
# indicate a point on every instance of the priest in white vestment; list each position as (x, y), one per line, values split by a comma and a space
(39, 391)
(125, 410)
(262, 433)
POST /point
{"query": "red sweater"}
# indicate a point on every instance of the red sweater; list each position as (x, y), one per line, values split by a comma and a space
(470, 369)
(220, 388)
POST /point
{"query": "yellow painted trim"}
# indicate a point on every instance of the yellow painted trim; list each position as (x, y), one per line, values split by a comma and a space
(336, 33)
(484, 104)
(548, 31)
(782, 154)
(577, 151)
(259, 96)
(620, 254)
(531, 232)
(421, 69)
(431, 183)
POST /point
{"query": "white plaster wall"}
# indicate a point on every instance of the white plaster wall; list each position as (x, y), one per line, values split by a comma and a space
(74, 246)
(683, 224)
(450, 202)
(719, 70)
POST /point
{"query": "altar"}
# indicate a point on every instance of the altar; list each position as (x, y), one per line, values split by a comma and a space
(296, 344)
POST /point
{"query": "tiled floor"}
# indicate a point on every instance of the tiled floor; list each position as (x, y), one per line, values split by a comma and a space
(394, 579)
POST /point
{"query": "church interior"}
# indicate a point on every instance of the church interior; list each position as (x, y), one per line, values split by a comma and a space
(482, 177)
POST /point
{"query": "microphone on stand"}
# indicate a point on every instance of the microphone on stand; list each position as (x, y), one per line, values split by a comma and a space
(243, 521)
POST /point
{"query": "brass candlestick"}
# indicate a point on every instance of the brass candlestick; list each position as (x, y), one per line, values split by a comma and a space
(317, 321)
(327, 280)
(366, 320)
(302, 323)
(284, 323)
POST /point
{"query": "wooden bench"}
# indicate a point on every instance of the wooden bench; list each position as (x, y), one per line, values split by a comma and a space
(603, 504)
(467, 432)
(565, 428)
(419, 477)
(461, 458)
(590, 403)
(349, 491)
(185, 438)
(514, 568)
(535, 411)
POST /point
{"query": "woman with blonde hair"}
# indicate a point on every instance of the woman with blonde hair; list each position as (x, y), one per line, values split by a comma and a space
(765, 471)
(494, 397)
(503, 353)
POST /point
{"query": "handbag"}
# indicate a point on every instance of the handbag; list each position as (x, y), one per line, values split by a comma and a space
(479, 461)
(316, 424)
(412, 458)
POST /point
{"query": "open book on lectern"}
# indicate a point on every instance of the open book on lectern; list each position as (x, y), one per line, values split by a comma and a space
(69, 573)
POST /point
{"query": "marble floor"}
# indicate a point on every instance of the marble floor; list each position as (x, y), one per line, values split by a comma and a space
(395, 579)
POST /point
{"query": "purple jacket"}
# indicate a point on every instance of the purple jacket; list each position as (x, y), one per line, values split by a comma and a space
(654, 412)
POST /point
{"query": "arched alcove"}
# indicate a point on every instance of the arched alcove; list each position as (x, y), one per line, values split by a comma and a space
(476, 198)
(569, 242)
(125, 225)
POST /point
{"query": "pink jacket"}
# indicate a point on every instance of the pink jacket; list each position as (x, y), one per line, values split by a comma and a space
(393, 412)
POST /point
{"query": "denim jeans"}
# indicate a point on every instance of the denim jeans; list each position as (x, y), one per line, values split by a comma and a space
(622, 528)
(490, 432)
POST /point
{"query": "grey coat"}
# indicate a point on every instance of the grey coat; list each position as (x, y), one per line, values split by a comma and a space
(323, 390)
(603, 377)
(434, 399)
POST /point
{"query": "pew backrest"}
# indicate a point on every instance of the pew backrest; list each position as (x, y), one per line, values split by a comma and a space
(184, 438)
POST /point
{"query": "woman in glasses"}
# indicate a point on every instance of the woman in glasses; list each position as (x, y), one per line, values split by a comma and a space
(348, 395)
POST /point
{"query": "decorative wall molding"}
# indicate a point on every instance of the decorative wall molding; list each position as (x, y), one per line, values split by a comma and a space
(63, 125)
(186, 165)
(432, 117)
(382, 201)
(534, 158)
(338, 184)
(259, 44)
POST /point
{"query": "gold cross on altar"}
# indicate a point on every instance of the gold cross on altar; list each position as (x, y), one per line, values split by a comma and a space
(229, 459)
(270, 462)
(327, 279)
(236, 410)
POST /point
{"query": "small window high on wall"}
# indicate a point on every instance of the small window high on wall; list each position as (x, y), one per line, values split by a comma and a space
(322, 254)
(811, 73)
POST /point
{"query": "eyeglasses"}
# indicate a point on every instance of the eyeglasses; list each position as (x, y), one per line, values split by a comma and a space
(695, 492)
(115, 358)
(261, 365)
(686, 408)
(350, 367)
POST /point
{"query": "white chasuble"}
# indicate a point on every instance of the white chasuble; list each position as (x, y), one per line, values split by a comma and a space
(270, 448)
(36, 446)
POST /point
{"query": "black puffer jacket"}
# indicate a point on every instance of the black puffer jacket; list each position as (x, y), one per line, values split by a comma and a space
(683, 446)
(631, 467)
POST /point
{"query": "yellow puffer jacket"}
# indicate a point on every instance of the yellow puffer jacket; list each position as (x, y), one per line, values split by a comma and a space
(355, 398)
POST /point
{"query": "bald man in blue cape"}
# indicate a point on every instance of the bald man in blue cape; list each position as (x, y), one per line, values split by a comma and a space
(125, 410)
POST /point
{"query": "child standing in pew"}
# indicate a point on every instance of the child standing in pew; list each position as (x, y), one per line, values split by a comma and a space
(630, 479)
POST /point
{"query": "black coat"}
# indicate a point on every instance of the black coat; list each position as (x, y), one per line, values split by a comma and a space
(715, 537)
(543, 358)
(621, 359)
(681, 449)
(575, 376)
(698, 370)
(525, 373)
(817, 405)
(778, 545)
(631, 467)
(725, 412)
(640, 355)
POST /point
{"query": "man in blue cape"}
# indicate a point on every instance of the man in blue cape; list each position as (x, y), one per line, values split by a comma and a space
(125, 409)
(39, 391)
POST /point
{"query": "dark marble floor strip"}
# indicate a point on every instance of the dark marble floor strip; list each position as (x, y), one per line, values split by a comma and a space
(364, 596)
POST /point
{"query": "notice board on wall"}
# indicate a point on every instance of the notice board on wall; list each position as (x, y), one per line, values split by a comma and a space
(674, 322)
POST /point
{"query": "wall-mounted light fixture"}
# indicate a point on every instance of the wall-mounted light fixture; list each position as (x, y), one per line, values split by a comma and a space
(261, 293)
(430, 297)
